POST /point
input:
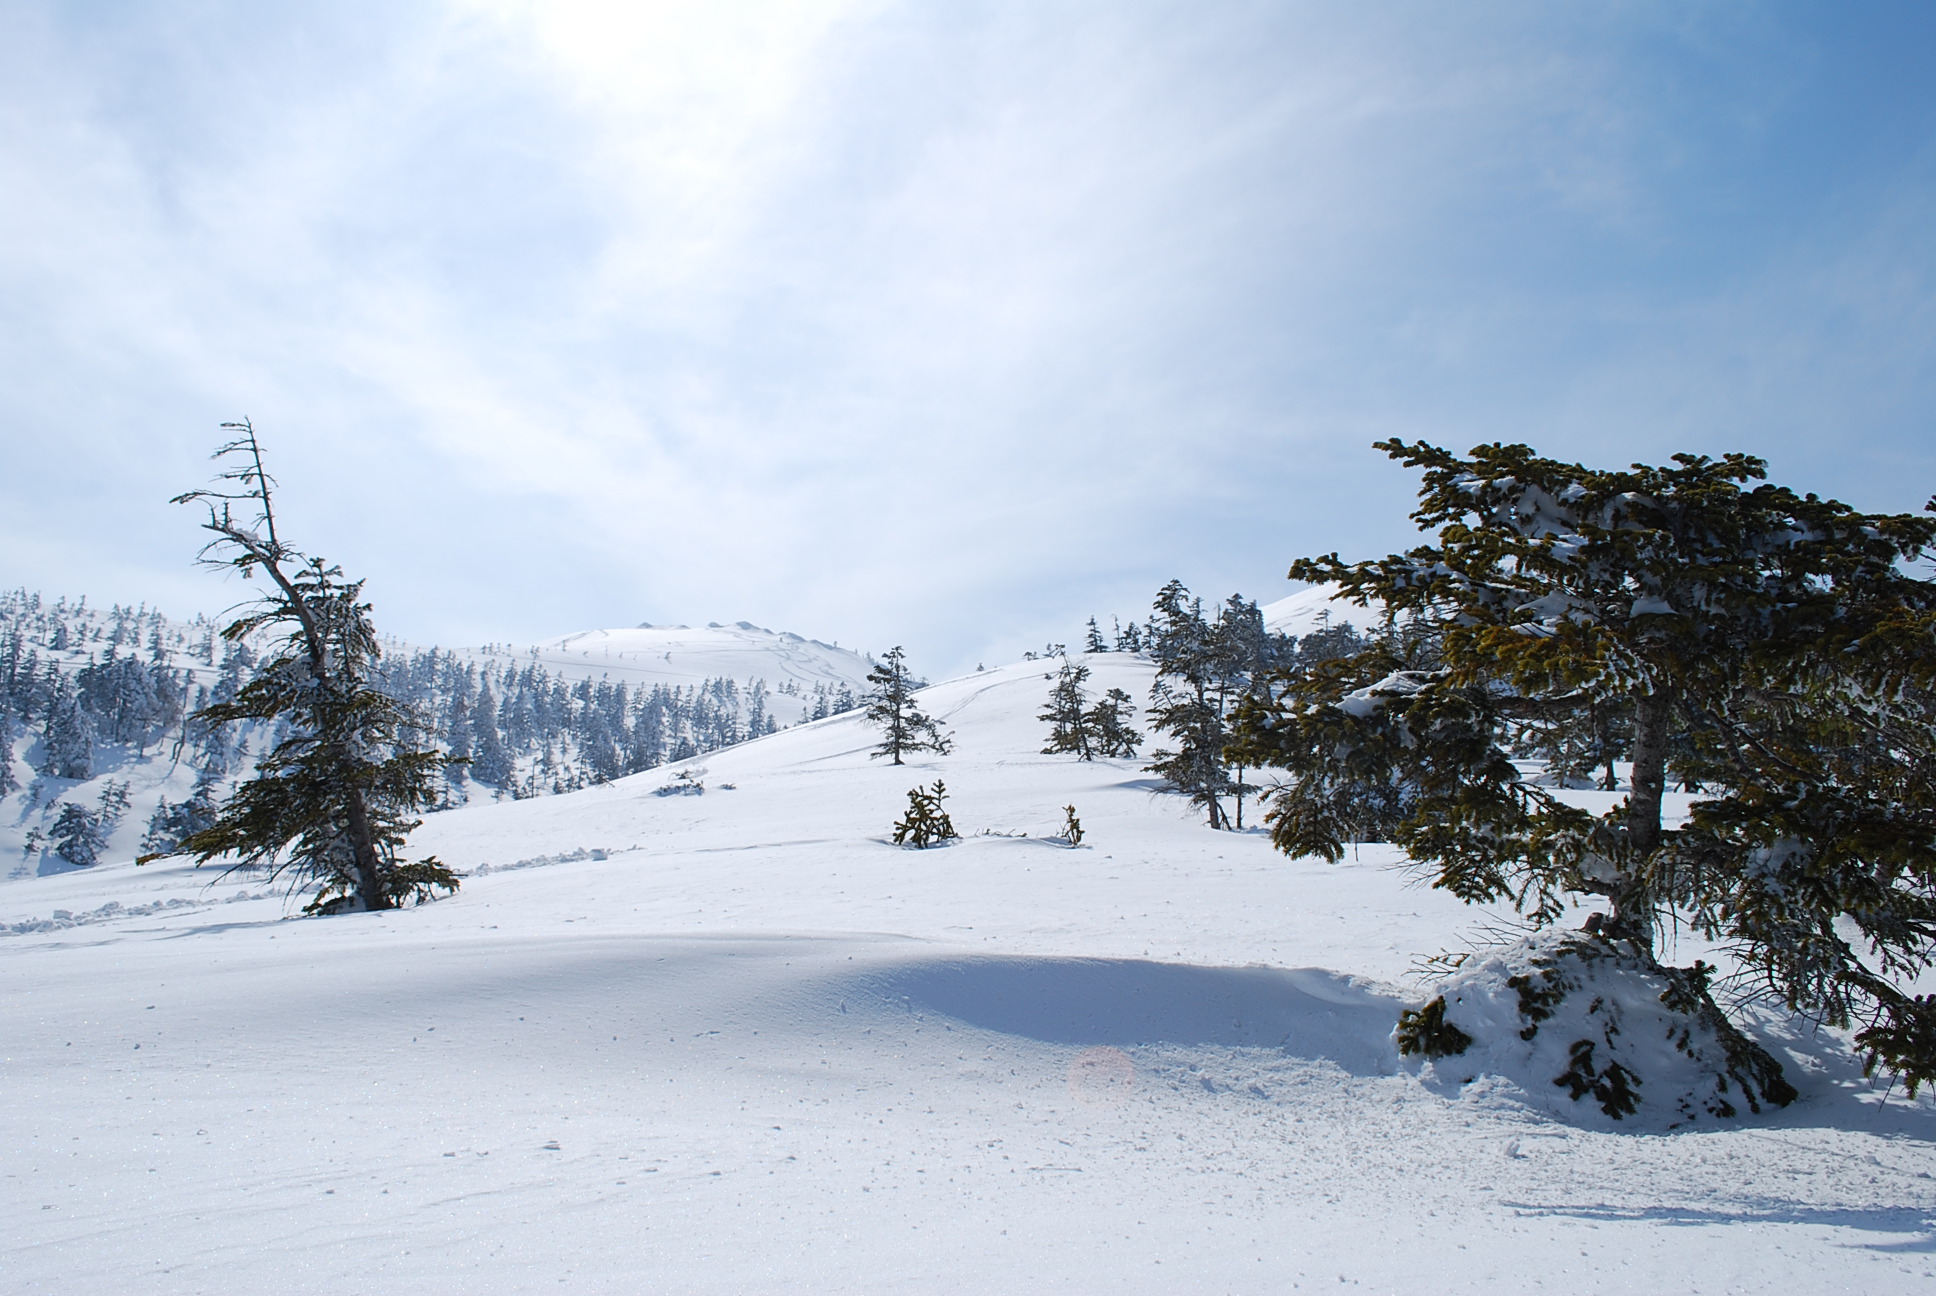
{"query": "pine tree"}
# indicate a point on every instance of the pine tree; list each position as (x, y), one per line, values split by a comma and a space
(9, 781)
(1093, 640)
(330, 804)
(1767, 645)
(67, 742)
(1195, 765)
(13, 682)
(171, 824)
(492, 764)
(1067, 712)
(1108, 724)
(78, 835)
(904, 728)
(1185, 703)
(127, 700)
(113, 804)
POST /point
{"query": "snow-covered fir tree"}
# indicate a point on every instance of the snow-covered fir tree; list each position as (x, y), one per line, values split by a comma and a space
(67, 741)
(1770, 647)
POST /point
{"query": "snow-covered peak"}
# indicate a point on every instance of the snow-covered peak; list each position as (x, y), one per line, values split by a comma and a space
(682, 655)
(1303, 612)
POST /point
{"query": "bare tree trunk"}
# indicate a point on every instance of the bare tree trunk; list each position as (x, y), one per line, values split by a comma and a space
(1632, 903)
(1218, 819)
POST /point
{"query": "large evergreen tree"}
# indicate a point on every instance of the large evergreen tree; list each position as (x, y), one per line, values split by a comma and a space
(1766, 646)
(331, 804)
(891, 705)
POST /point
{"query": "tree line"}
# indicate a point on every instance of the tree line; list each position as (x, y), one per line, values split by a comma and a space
(86, 692)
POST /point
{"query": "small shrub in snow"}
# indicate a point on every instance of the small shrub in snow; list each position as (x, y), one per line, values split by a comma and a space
(926, 822)
(687, 782)
(1573, 1016)
(1071, 827)
(1426, 1033)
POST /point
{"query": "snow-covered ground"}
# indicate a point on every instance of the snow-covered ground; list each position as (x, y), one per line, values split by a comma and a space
(738, 1042)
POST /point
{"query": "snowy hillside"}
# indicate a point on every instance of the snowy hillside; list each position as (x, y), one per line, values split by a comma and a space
(682, 656)
(538, 721)
(735, 1041)
(1309, 610)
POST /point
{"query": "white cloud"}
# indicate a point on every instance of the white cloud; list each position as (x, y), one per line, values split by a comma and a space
(892, 322)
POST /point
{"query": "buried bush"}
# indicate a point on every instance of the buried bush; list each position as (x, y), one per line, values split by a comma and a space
(1584, 1018)
(1426, 1033)
(926, 823)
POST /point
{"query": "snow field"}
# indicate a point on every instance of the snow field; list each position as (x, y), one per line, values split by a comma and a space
(756, 1048)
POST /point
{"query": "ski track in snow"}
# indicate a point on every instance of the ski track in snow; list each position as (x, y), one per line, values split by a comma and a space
(736, 1042)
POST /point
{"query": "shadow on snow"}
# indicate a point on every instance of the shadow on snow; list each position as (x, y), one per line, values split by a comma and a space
(1127, 1002)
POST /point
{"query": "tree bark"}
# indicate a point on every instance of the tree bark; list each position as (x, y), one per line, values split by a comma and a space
(1632, 901)
(369, 886)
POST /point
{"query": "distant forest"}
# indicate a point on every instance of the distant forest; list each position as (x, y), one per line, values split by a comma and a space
(86, 692)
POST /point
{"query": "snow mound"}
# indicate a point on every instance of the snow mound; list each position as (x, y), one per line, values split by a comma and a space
(1595, 1032)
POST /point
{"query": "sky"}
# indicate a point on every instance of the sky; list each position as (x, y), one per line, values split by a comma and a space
(945, 325)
